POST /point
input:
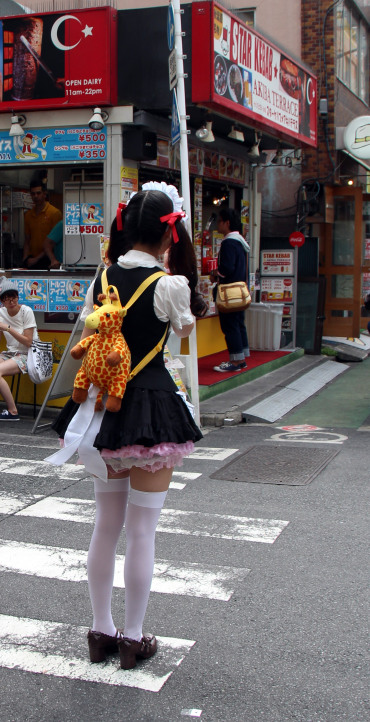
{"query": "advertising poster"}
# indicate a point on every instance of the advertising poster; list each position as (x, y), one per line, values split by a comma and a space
(276, 289)
(277, 263)
(244, 215)
(367, 249)
(67, 295)
(251, 76)
(53, 144)
(81, 218)
(287, 319)
(52, 60)
(129, 182)
(365, 284)
(33, 292)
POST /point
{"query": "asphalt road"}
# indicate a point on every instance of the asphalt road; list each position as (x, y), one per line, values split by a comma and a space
(259, 592)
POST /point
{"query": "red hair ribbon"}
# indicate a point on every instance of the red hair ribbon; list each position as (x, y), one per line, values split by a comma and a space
(171, 219)
(121, 207)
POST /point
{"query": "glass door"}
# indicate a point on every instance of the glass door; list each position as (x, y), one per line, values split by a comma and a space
(343, 263)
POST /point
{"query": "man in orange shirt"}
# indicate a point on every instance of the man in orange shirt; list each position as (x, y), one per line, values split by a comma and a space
(38, 223)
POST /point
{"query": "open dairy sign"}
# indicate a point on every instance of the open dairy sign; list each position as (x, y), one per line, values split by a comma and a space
(52, 60)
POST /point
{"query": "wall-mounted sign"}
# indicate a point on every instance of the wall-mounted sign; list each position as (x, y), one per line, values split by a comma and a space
(129, 182)
(175, 120)
(241, 71)
(357, 137)
(277, 263)
(80, 218)
(52, 60)
(53, 144)
(296, 239)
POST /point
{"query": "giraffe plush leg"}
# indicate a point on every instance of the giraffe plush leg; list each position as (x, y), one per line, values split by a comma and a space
(99, 406)
(113, 404)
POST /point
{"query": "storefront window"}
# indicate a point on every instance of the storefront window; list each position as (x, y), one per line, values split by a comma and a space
(342, 286)
(343, 231)
(352, 50)
(366, 233)
(247, 15)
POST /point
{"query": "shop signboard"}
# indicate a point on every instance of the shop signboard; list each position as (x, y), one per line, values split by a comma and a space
(58, 60)
(53, 144)
(277, 263)
(242, 72)
(33, 292)
(67, 294)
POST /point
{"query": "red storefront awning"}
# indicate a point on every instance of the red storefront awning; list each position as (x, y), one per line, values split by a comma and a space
(237, 72)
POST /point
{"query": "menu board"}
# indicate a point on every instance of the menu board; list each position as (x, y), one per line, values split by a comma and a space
(53, 144)
(276, 289)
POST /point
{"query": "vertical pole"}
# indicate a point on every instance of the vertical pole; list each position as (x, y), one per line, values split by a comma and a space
(185, 188)
(295, 294)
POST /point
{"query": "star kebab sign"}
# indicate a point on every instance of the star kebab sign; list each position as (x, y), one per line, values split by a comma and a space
(53, 60)
(239, 73)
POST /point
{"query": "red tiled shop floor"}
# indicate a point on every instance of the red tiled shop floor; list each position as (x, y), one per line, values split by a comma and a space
(207, 376)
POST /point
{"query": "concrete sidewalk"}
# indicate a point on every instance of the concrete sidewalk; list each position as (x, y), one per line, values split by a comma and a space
(272, 396)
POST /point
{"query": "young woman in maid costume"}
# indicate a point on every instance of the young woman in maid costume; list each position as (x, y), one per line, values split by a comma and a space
(131, 453)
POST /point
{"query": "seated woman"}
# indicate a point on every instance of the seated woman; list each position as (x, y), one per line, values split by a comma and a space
(18, 325)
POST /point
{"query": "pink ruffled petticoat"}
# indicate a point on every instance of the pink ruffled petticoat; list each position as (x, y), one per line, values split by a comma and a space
(154, 458)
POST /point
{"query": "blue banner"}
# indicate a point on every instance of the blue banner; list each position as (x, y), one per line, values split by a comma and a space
(53, 144)
(33, 292)
(67, 294)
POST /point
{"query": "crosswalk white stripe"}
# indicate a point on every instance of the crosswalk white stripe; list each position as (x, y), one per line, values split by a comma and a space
(211, 453)
(69, 565)
(171, 521)
(10, 504)
(25, 644)
(29, 441)
(25, 467)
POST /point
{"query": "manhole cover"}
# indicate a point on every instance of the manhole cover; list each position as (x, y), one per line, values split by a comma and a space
(276, 465)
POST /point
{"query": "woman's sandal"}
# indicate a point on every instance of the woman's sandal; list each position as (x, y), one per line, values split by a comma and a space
(100, 644)
(129, 649)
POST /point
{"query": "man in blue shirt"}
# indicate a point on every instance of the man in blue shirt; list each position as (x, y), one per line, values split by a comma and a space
(232, 266)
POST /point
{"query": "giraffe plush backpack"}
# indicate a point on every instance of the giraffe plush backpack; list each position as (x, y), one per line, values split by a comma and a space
(106, 355)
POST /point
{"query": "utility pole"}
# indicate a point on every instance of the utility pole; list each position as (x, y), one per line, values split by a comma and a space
(174, 16)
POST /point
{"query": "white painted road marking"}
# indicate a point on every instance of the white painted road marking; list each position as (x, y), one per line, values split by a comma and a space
(211, 453)
(171, 521)
(25, 467)
(69, 565)
(43, 442)
(45, 648)
(10, 504)
(309, 437)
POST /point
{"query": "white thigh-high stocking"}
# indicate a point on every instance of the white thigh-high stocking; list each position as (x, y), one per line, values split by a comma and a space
(111, 504)
(143, 513)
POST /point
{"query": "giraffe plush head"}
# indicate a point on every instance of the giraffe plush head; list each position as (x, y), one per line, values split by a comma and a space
(106, 356)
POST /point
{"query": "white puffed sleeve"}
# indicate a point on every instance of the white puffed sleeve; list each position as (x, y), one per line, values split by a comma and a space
(172, 301)
(88, 306)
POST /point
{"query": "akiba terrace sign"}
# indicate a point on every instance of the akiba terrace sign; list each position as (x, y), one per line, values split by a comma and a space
(52, 60)
(235, 69)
